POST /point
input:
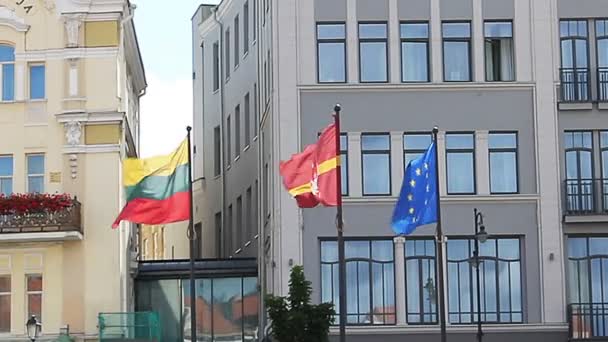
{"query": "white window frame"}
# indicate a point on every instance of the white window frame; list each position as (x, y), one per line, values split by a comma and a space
(28, 293)
(11, 176)
(29, 80)
(27, 160)
(11, 300)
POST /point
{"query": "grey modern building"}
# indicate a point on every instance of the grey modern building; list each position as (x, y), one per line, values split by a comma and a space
(519, 91)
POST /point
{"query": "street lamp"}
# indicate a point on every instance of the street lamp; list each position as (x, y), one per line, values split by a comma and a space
(33, 328)
(480, 236)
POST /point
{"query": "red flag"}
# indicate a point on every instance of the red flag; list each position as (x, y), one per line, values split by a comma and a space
(311, 176)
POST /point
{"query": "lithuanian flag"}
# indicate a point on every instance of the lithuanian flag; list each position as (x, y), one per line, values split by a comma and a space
(157, 188)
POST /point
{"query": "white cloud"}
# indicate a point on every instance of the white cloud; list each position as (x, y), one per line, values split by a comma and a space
(166, 110)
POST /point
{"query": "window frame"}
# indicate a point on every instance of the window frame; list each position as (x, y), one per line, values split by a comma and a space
(373, 40)
(2, 64)
(27, 160)
(588, 259)
(217, 151)
(485, 53)
(247, 116)
(575, 83)
(344, 152)
(370, 240)
(238, 225)
(12, 160)
(413, 150)
(419, 258)
(472, 281)
(426, 40)
(581, 205)
(460, 150)
(504, 150)
(458, 40)
(237, 132)
(602, 71)
(237, 53)
(31, 84)
(227, 66)
(387, 152)
(216, 66)
(228, 140)
(320, 41)
(9, 295)
(246, 28)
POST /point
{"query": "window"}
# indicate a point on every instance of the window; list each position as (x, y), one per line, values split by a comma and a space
(344, 163)
(601, 33)
(373, 60)
(460, 152)
(503, 163)
(256, 113)
(229, 233)
(218, 234)
(457, 52)
(370, 280)
(574, 74)
(198, 244)
(246, 28)
(7, 61)
(37, 81)
(217, 150)
(227, 57)
(579, 171)
(269, 77)
(376, 162)
(414, 146)
(499, 51)
(34, 296)
(248, 215)
(146, 250)
(265, 193)
(237, 55)
(5, 303)
(331, 53)
(228, 141)
(414, 52)
(6, 175)
(238, 228)
(604, 162)
(35, 173)
(255, 19)
(587, 269)
(237, 131)
(247, 119)
(256, 208)
(501, 283)
(421, 298)
(216, 66)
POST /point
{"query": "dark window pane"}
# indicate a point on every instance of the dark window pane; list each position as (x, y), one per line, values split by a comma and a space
(414, 61)
(332, 62)
(460, 173)
(7, 53)
(34, 283)
(376, 174)
(415, 30)
(331, 31)
(5, 313)
(503, 140)
(456, 30)
(34, 306)
(372, 31)
(460, 141)
(5, 284)
(6, 166)
(8, 82)
(375, 142)
(498, 29)
(413, 141)
(373, 61)
(456, 61)
(503, 172)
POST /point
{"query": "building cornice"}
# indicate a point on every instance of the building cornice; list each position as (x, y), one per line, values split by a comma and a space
(517, 198)
(92, 6)
(105, 116)
(41, 237)
(346, 87)
(106, 148)
(67, 53)
(11, 19)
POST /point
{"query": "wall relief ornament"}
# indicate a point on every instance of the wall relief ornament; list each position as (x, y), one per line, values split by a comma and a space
(72, 28)
(73, 132)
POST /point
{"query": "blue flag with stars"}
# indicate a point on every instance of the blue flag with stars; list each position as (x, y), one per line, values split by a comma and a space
(417, 203)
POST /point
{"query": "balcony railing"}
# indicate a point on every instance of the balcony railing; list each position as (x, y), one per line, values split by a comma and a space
(586, 196)
(575, 84)
(65, 220)
(602, 84)
(588, 322)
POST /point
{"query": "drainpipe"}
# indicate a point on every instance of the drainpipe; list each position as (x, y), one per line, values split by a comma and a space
(222, 130)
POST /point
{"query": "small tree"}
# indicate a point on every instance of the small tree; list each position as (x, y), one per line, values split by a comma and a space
(293, 318)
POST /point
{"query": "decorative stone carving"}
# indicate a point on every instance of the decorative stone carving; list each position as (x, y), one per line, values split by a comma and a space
(49, 4)
(72, 28)
(73, 132)
(8, 17)
(73, 165)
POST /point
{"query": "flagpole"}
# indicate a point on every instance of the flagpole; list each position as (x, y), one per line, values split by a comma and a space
(192, 238)
(439, 245)
(340, 228)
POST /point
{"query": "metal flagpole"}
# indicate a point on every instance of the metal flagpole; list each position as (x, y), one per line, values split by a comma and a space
(340, 227)
(192, 237)
(439, 245)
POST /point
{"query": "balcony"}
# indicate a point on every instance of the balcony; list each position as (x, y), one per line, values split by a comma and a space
(586, 200)
(602, 84)
(575, 85)
(588, 322)
(61, 223)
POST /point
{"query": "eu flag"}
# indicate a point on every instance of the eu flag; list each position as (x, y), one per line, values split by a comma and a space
(417, 203)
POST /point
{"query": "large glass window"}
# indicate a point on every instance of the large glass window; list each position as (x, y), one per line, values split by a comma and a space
(414, 52)
(228, 141)
(237, 131)
(500, 281)
(457, 51)
(370, 280)
(420, 281)
(5, 303)
(331, 52)
(237, 55)
(34, 296)
(248, 216)
(344, 163)
(579, 171)
(588, 269)
(503, 163)
(37, 81)
(247, 105)
(575, 60)
(604, 161)
(460, 154)
(414, 146)
(6, 175)
(227, 52)
(246, 27)
(7, 61)
(217, 150)
(499, 51)
(376, 162)
(35, 173)
(238, 227)
(373, 60)
(601, 33)
(216, 66)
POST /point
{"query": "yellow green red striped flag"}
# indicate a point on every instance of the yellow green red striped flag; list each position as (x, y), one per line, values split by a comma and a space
(157, 188)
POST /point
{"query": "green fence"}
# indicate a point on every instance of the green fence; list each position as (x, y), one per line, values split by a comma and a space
(129, 326)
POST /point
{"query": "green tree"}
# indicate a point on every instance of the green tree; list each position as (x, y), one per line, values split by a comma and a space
(294, 318)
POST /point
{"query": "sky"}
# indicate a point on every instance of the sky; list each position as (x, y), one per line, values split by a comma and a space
(165, 39)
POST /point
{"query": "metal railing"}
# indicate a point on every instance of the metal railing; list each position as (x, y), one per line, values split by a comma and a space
(602, 84)
(68, 219)
(586, 196)
(129, 326)
(587, 322)
(575, 84)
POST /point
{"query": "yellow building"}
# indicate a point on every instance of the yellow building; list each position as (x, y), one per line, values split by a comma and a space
(71, 78)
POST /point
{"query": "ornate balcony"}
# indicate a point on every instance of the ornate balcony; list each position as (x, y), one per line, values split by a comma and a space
(41, 218)
(575, 83)
(588, 322)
